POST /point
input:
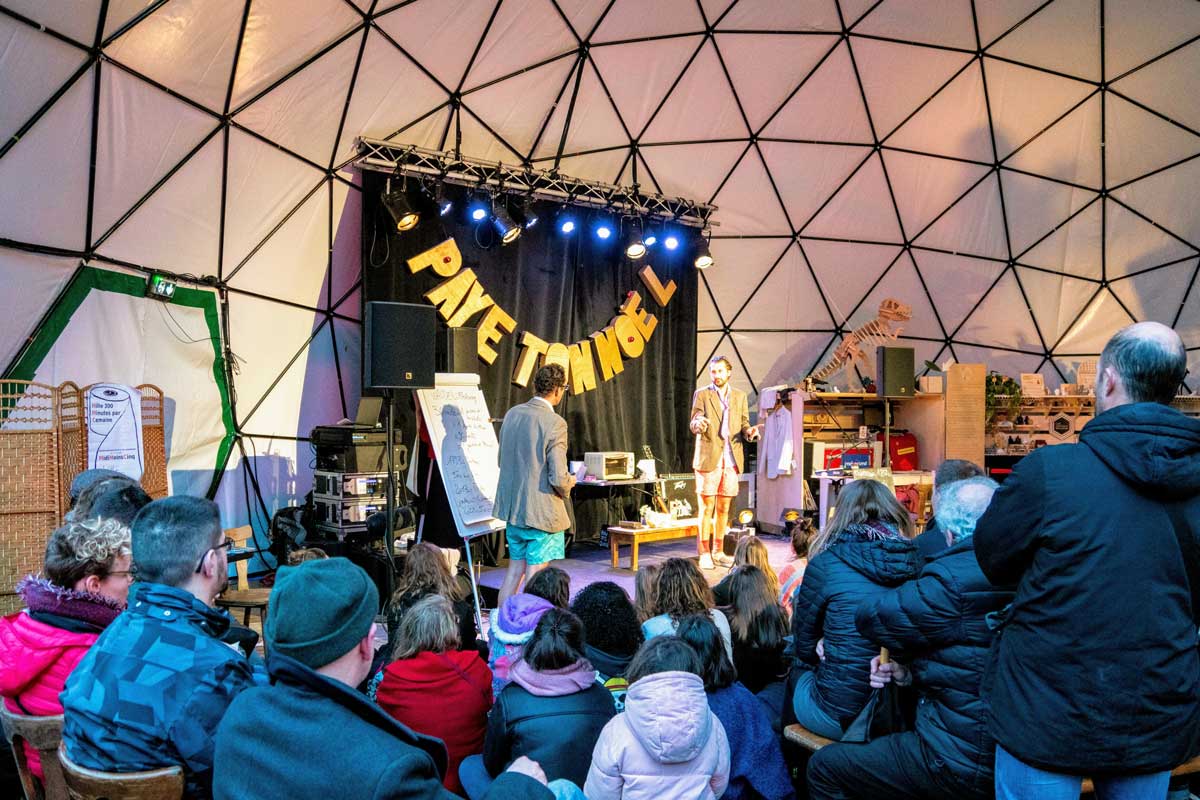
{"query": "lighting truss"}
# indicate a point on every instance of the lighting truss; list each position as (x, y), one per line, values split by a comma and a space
(393, 158)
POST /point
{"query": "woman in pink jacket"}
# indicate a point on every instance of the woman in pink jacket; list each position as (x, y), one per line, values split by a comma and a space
(86, 580)
(667, 745)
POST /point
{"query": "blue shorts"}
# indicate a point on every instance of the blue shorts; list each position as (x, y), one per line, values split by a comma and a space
(534, 546)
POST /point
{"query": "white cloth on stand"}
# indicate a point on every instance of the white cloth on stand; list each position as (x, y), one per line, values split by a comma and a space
(778, 444)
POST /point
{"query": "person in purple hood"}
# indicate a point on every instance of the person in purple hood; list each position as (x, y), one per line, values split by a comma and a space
(511, 628)
(552, 711)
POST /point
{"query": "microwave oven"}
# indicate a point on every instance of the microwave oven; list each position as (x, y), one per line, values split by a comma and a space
(609, 466)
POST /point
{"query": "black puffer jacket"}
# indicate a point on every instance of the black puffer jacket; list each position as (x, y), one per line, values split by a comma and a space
(937, 625)
(853, 570)
(1097, 670)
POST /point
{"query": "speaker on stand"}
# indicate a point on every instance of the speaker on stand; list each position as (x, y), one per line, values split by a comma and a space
(398, 353)
(457, 350)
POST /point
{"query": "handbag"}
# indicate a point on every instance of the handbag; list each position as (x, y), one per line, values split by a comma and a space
(883, 714)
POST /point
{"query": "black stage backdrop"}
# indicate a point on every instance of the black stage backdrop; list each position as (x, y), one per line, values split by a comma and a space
(561, 289)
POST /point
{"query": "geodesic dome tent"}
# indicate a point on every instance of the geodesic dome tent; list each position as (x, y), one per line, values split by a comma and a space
(1020, 172)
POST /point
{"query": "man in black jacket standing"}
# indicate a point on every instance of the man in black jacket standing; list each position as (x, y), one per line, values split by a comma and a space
(938, 625)
(1097, 671)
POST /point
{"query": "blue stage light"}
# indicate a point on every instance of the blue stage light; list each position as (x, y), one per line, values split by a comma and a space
(567, 226)
(531, 219)
(478, 212)
(649, 240)
(445, 207)
(671, 242)
(603, 231)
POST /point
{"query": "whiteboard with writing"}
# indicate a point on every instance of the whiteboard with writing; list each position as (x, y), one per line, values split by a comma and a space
(468, 453)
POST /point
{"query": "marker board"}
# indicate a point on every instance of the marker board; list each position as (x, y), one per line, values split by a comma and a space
(467, 451)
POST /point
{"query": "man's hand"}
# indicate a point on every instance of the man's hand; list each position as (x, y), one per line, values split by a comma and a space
(821, 648)
(699, 425)
(883, 674)
(753, 433)
(527, 766)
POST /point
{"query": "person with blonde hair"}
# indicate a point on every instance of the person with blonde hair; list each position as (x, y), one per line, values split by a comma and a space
(681, 591)
(434, 686)
(749, 550)
(84, 584)
(865, 550)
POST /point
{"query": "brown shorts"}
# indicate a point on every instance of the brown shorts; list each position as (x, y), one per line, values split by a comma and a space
(721, 481)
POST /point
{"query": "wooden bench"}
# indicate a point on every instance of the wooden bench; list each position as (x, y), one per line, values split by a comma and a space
(810, 741)
(633, 537)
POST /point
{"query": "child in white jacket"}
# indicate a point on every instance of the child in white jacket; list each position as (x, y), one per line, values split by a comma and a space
(667, 745)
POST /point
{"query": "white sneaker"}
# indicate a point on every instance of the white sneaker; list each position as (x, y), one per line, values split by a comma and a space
(724, 560)
(706, 561)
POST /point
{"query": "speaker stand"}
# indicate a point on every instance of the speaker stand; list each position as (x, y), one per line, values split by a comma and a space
(389, 535)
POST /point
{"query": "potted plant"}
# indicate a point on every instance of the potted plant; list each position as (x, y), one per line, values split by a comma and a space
(1002, 396)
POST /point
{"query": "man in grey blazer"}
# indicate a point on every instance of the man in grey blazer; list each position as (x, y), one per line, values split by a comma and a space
(720, 419)
(534, 480)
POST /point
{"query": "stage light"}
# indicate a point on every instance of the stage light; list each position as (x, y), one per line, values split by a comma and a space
(671, 242)
(745, 517)
(444, 204)
(480, 207)
(704, 258)
(565, 222)
(525, 217)
(396, 203)
(649, 240)
(567, 226)
(603, 231)
(635, 250)
(531, 219)
(478, 212)
(505, 227)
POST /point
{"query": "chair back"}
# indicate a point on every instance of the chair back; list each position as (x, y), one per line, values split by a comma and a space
(90, 784)
(42, 734)
(240, 536)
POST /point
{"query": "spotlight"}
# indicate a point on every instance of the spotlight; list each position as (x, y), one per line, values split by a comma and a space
(704, 258)
(671, 242)
(636, 249)
(396, 202)
(649, 240)
(603, 231)
(745, 517)
(480, 207)
(444, 204)
(525, 217)
(565, 222)
(505, 227)
(531, 219)
(567, 226)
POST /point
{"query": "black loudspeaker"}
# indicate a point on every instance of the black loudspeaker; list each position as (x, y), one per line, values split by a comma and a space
(456, 350)
(894, 370)
(399, 348)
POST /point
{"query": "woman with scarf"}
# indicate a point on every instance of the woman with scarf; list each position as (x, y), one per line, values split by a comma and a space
(84, 583)
(865, 550)
(552, 711)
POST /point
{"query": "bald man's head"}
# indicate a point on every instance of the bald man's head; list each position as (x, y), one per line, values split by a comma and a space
(1142, 363)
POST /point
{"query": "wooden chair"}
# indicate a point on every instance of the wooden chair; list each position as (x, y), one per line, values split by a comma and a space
(242, 596)
(90, 784)
(42, 734)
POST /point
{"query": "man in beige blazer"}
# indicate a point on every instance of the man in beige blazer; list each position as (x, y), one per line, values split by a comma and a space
(720, 419)
(534, 480)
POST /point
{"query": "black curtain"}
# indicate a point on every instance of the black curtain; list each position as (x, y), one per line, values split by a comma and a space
(560, 288)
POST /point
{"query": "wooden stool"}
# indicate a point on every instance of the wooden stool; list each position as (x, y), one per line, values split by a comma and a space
(242, 596)
(42, 734)
(802, 736)
(91, 784)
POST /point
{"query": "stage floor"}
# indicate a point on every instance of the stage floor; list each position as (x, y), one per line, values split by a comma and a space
(589, 563)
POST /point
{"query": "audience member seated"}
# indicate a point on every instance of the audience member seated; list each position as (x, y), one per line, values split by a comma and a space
(756, 766)
(111, 497)
(611, 634)
(865, 550)
(793, 571)
(667, 745)
(152, 689)
(551, 584)
(85, 584)
(759, 628)
(85, 479)
(512, 626)
(435, 687)
(937, 624)
(552, 712)
(426, 572)
(645, 584)
(749, 550)
(681, 590)
(934, 539)
(310, 734)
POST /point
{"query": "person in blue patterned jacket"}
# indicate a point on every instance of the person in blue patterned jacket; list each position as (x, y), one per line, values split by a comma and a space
(154, 686)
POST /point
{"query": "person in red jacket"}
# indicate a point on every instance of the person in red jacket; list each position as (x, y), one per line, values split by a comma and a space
(85, 581)
(434, 687)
